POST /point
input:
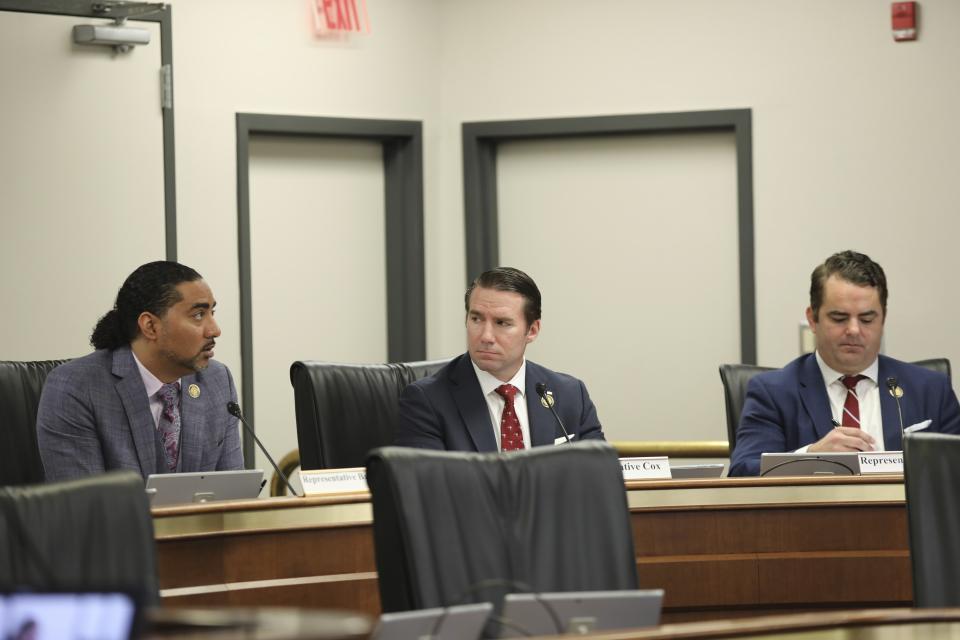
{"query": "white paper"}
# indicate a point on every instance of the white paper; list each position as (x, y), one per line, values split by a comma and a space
(920, 426)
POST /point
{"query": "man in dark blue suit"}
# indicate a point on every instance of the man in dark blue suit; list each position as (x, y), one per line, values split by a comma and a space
(487, 399)
(840, 398)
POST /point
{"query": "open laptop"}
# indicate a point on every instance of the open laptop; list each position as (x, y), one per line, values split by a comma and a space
(462, 622)
(579, 612)
(65, 616)
(203, 486)
(809, 464)
(697, 470)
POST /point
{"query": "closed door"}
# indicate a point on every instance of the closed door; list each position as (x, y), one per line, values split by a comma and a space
(81, 179)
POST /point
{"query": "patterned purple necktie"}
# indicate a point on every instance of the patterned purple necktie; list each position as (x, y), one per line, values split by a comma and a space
(169, 425)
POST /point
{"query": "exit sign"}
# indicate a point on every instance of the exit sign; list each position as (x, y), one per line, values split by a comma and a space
(340, 17)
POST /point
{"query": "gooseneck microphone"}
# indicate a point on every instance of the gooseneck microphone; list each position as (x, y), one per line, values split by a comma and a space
(548, 401)
(896, 391)
(234, 410)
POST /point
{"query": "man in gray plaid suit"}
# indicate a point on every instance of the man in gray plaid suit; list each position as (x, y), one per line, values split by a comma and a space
(150, 398)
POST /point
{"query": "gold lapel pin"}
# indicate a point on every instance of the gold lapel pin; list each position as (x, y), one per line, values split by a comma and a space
(194, 391)
(547, 400)
(896, 392)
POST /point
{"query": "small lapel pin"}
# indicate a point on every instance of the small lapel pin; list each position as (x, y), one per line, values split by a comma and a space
(547, 400)
(194, 391)
(897, 391)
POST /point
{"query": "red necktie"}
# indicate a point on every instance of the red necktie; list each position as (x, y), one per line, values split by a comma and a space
(851, 407)
(511, 437)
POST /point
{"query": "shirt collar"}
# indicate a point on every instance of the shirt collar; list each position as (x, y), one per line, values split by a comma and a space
(830, 375)
(150, 382)
(489, 383)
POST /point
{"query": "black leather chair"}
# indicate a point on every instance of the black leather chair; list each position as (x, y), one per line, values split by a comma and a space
(932, 483)
(20, 387)
(90, 534)
(452, 528)
(736, 376)
(940, 365)
(344, 411)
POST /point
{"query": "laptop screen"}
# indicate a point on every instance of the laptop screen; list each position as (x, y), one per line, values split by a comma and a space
(67, 616)
(463, 622)
(810, 464)
(206, 486)
(583, 612)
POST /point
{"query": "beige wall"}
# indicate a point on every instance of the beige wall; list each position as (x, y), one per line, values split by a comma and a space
(261, 57)
(855, 136)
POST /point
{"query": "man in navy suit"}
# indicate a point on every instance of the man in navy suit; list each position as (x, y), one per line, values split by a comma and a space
(841, 398)
(150, 398)
(487, 399)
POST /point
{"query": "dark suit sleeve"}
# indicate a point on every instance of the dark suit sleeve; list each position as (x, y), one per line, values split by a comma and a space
(231, 455)
(418, 423)
(67, 431)
(949, 410)
(760, 430)
(589, 427)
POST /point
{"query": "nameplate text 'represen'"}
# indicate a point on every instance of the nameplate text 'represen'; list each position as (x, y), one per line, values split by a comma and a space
(881, 462)
(654, 468)
(320, 482)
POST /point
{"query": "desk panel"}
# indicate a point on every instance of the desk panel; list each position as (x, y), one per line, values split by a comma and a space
(719, 547)
(876, 624)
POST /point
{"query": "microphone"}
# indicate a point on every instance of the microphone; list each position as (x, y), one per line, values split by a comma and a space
(896, 391)
(234, 410)
(548, 401)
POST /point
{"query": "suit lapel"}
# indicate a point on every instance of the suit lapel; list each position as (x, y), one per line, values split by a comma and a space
(543, 429)
(472, 406)
(133, 396)
(892, 439)
(813, 395)
(192, 421)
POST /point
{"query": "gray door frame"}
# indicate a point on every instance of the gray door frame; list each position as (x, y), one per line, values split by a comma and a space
(480, 140)
(403, 212)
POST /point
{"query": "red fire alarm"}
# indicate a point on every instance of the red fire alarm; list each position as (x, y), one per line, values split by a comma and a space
(904, 20)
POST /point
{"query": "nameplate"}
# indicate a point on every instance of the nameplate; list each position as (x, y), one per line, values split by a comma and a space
(654, 468)
(881, 462)
(320, 482)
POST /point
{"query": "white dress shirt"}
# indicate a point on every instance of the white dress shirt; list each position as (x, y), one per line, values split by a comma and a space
(868, 394)
(495, 402)
(152, 384)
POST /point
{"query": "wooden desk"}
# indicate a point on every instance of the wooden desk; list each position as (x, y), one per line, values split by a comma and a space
(877, 624)
(720, 548)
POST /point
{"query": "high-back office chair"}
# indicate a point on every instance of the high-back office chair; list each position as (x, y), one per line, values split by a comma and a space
(736, 376)
(940, 365)
(20, 387)
(82, 535)
(932, 482)
(452, 528)
(344, 411)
